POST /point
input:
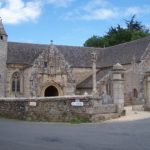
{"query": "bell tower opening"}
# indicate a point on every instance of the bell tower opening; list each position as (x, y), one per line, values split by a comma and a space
(51, 91)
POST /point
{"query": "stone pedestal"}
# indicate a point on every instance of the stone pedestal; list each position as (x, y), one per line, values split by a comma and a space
(147, 90)
(118, 86)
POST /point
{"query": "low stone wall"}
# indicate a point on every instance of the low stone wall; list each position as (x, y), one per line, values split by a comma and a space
(146, 107)
(103, 109)
(53, 109)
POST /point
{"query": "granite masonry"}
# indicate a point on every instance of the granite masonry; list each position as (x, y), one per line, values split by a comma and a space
(40, 81)
(58, 109)
(67, 108)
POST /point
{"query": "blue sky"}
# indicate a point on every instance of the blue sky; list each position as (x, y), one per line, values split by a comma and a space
(67, 22)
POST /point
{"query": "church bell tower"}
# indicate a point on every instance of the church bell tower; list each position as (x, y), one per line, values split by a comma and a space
(3, 59)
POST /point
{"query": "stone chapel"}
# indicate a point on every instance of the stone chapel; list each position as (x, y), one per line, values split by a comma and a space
(41, 70)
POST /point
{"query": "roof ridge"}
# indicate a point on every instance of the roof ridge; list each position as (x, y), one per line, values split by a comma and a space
(80, 56)
(98, 48)
(80, 47)
(12, 42)
(55, 45)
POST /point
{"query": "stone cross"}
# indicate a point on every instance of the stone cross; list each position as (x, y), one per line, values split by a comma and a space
(93, 59)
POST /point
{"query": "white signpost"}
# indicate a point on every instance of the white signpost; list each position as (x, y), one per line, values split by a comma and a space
(77, 103)
(32, 104)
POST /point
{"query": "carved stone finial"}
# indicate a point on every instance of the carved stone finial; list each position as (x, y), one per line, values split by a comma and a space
(118, 66)
(93, 57)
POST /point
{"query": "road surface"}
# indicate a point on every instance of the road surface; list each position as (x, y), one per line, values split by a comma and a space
(121, 134)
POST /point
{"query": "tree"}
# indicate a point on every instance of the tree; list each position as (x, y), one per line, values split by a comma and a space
(133, 25)
(116, 35)
(95, 41)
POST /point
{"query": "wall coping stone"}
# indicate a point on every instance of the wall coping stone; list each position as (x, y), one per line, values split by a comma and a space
(58, 98)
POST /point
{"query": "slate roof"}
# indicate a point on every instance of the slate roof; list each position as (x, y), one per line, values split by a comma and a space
(124, 53)
(25, 53)
(88, 82)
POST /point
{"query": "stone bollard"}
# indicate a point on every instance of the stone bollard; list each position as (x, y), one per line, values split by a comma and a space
(147, 90)
(118, 87)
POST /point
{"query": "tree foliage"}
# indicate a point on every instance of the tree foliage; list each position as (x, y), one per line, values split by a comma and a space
(116, 35)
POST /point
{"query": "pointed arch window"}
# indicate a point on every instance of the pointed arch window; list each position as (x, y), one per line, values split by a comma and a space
(45, 64)
(108, 87)
(16, 82)
(135, 93)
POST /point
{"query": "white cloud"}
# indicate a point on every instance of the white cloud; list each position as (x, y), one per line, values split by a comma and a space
(60, 3)
(137, 10)
(132, 11)
(104, 10)
(17, 11)
(94, 10)
(100, 14)
(94, 4)
(99, 10)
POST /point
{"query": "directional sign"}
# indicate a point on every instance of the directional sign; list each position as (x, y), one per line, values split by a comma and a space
(77, 103)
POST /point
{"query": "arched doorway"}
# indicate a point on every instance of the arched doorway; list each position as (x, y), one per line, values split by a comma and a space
(51, 91)
(135, 93)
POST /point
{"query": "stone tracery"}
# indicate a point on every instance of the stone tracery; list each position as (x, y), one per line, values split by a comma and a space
(50, 67)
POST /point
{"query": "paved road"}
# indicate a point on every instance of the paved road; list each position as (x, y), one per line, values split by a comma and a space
(129, 135)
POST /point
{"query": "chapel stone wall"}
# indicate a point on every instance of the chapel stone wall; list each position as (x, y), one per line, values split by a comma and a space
(3, 69)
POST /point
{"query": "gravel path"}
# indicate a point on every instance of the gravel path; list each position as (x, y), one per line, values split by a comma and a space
(132, 115)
